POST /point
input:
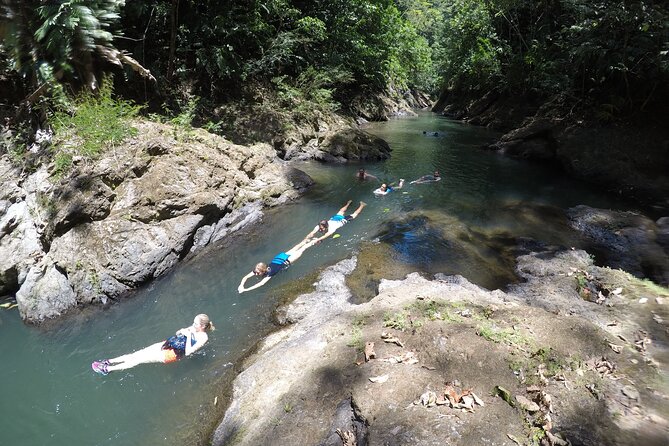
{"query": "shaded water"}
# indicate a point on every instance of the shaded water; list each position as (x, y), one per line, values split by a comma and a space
(465, 224)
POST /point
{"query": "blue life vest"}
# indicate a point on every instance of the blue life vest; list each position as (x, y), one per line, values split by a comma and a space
(278, 263)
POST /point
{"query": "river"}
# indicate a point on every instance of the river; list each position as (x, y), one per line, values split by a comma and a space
(469, 223)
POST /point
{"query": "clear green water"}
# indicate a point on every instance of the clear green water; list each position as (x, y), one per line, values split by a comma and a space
(50, 396)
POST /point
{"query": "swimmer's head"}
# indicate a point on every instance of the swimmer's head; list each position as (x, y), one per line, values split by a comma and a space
(260, 269)
(323, 226)
(202, 321)
(384, 187)
(436, 174)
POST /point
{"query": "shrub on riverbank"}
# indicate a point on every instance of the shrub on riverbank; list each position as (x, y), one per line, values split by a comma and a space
(92, 123)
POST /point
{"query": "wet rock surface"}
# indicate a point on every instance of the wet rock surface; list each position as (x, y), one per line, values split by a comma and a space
(625, 240)
(113, 224)
(442, 346)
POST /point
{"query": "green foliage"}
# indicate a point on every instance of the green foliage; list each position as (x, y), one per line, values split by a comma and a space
(92, 123)
(356, 339)
(609, 55)
(398, 321)
(470, 50)
(490, 331)
(309, 92)
(550, 359)
(66, 37)
(62, 163)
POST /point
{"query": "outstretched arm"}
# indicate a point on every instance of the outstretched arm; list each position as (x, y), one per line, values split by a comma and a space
(323, 237)
(241, 288)
(311, 234)
(199, 343)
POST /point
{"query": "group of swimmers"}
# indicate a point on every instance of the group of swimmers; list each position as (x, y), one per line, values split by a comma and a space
(385, 189)
(188, 340)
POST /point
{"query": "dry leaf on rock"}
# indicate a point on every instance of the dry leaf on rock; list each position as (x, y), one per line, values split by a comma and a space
(467, 402)
(593, 390)
(369, 351)
(428, 399)
(389, 338)
(514, 439)
(379, 379)
(615, 347)
(478, 400)
(557, 441)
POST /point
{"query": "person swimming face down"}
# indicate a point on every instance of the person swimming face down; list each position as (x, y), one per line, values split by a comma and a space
(260, 269)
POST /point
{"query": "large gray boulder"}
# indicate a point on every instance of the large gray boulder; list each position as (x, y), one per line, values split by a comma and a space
(46, 293)
(626, 240)
(20, 245)
(112, 225)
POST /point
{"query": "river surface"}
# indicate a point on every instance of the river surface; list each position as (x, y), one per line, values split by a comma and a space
(465, 224)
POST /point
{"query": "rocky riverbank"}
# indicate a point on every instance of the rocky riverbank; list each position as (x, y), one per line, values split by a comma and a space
(443, 361)
(116, 222)
(627, 158)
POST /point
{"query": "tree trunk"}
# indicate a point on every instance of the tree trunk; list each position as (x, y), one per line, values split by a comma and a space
(174, 20)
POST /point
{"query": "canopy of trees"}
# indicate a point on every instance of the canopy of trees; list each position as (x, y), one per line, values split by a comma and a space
(613, 53)
(610, 54)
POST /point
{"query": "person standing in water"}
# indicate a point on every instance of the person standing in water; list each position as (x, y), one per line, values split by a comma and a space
(185, 342)
(428, 178)
(329, 227)
(362, 175)
(280, 262)
(385, 189)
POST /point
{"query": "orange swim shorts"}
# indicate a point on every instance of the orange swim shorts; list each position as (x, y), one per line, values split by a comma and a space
(170, 356)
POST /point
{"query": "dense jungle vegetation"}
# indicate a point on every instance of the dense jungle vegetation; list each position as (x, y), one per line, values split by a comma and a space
(187, 59)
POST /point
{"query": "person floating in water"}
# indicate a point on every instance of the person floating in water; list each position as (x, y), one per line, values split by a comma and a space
(279, 263)
(329, 227)
(362, 175)
(386, 189)
(428, 178)
(184, 343)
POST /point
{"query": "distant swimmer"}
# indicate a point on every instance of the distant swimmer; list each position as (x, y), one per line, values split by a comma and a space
(430, 133)
(329, 227)
(280, 262)
(185, 342)
(428, 178)
(386, 189)
(362, 175)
